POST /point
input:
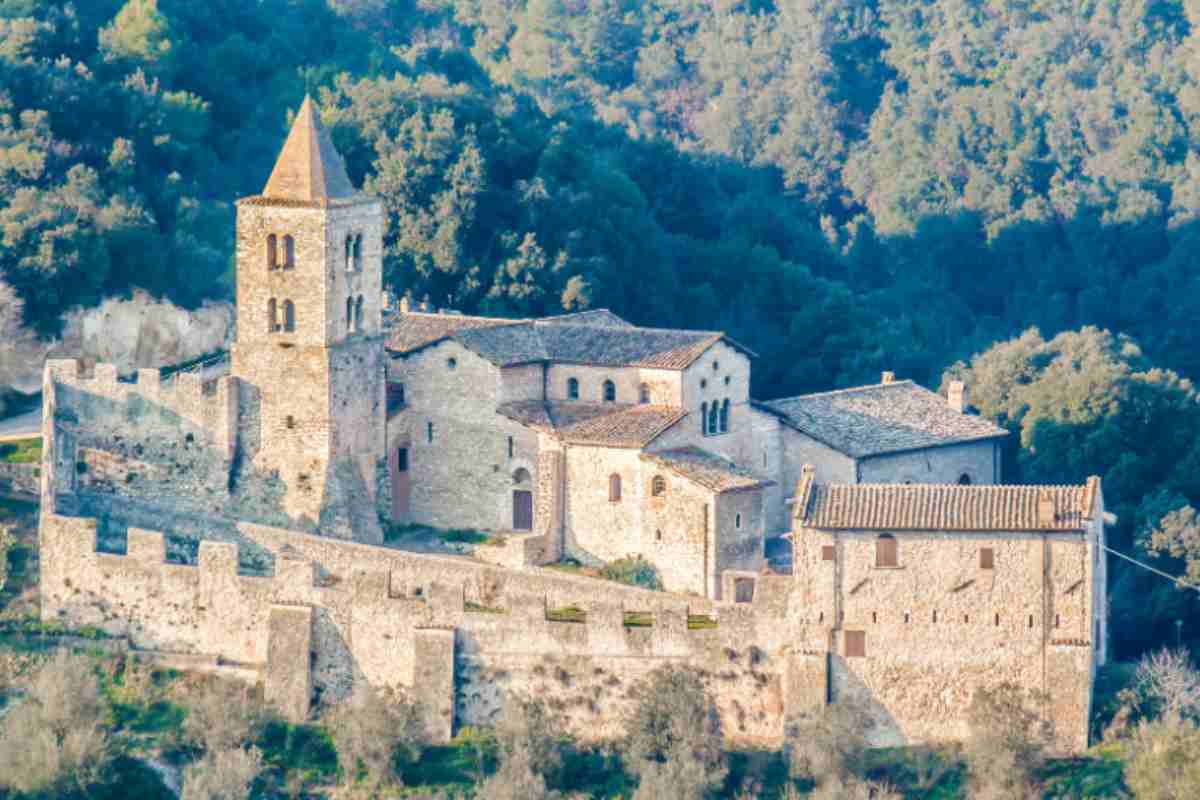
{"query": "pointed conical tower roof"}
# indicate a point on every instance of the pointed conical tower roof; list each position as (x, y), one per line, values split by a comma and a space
(309, 168)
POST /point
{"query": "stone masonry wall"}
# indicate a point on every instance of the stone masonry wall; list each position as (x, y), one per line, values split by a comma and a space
(371, 607)
(664, 385)
(468, 456)
(979, 461)
(939, 626)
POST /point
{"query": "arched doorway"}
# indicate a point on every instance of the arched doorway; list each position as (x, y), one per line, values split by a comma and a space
(522, 500)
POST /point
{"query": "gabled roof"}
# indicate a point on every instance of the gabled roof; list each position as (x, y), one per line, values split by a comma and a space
(597, 338)
(884, 418)
(707, 469)
(948, 507)
(309, 168)
(603, 424)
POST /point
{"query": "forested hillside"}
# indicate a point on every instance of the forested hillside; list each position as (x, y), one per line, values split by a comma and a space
(844, 186)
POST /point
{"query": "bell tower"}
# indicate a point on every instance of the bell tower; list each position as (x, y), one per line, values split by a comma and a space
(309, 348)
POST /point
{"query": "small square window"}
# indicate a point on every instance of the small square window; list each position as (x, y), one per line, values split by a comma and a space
(987, 558)
(827, 552)
(856, 644)
(451, 363)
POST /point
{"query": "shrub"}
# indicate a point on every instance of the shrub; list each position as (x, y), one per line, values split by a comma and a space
(1168, 684)
(223, 715)
(222, 774)
(516, 779)
(633, 572)
(673, 735)
(829, 745)
(855, 789)
(55, 735)
(1007, 743)
(1163, 760)
(374, 735)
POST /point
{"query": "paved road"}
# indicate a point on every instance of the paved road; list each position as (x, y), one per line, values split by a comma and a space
(22, 426)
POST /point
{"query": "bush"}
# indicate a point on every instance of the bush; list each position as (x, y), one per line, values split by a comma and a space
(222, 774)
(1168, 684)
(55, 736)
(1163, 760)
(373, 736)
(828, 745)
(516, 779)
(1007, 743)
(223, 715)
(633, 572)
(673, 735)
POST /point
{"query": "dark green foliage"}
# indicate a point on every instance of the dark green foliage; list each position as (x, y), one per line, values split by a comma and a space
(22, 451)
(635, 571)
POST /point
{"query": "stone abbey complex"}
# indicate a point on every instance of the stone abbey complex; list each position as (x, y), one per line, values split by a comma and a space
(237, 515)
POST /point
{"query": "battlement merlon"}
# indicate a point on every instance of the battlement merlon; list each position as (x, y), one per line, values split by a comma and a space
(211, 405)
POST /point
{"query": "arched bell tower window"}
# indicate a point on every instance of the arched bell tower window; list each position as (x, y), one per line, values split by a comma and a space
(572, 388)
(289, 316)
(349, 314)
(289, 252)
(610, 392)
(725, 416)
(272, 316)
(704, 418)
(643, 394)
(272, 252)
(714, 418)
(358, 255)
(358, 314)
(964, 480)
(349, 253)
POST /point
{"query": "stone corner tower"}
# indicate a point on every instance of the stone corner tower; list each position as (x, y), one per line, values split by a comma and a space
(309, 348)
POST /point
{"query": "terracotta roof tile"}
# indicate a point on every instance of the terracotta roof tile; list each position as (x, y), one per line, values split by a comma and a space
(596, 337)
(707, 469)
(411, 331)
(934, 507)
(885, 418)
(608, 424)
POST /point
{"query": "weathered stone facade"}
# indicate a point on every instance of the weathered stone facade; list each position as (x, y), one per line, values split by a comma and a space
(238, 516)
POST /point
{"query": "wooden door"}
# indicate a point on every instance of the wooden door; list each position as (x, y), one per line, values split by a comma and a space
(522, 510)
(400, 489)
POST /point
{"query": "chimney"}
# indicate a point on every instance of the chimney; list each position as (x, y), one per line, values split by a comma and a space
(404, 304)
(887, 377)
(1046, 511)
(956, 396)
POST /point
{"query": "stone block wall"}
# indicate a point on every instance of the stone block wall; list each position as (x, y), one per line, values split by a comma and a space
(21, 479)
(665, 385)
(402, 620)
(978, 461)
(468, 454)
(940, 625)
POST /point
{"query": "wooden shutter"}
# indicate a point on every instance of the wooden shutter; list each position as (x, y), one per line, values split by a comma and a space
(987, 558)
(827, 552)
(885, 551)
(856, 644)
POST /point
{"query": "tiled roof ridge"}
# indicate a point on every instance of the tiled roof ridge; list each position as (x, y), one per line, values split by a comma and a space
(882, 506)
(443, 315)
(847, 390)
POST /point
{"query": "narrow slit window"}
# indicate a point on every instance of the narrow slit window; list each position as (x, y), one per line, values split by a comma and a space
(289, 316)
(289, 252)
(704, 419)
(724, 418)
(429, 432)
(644, 394)
(511, 446)
(272, 252)
(572, 389)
